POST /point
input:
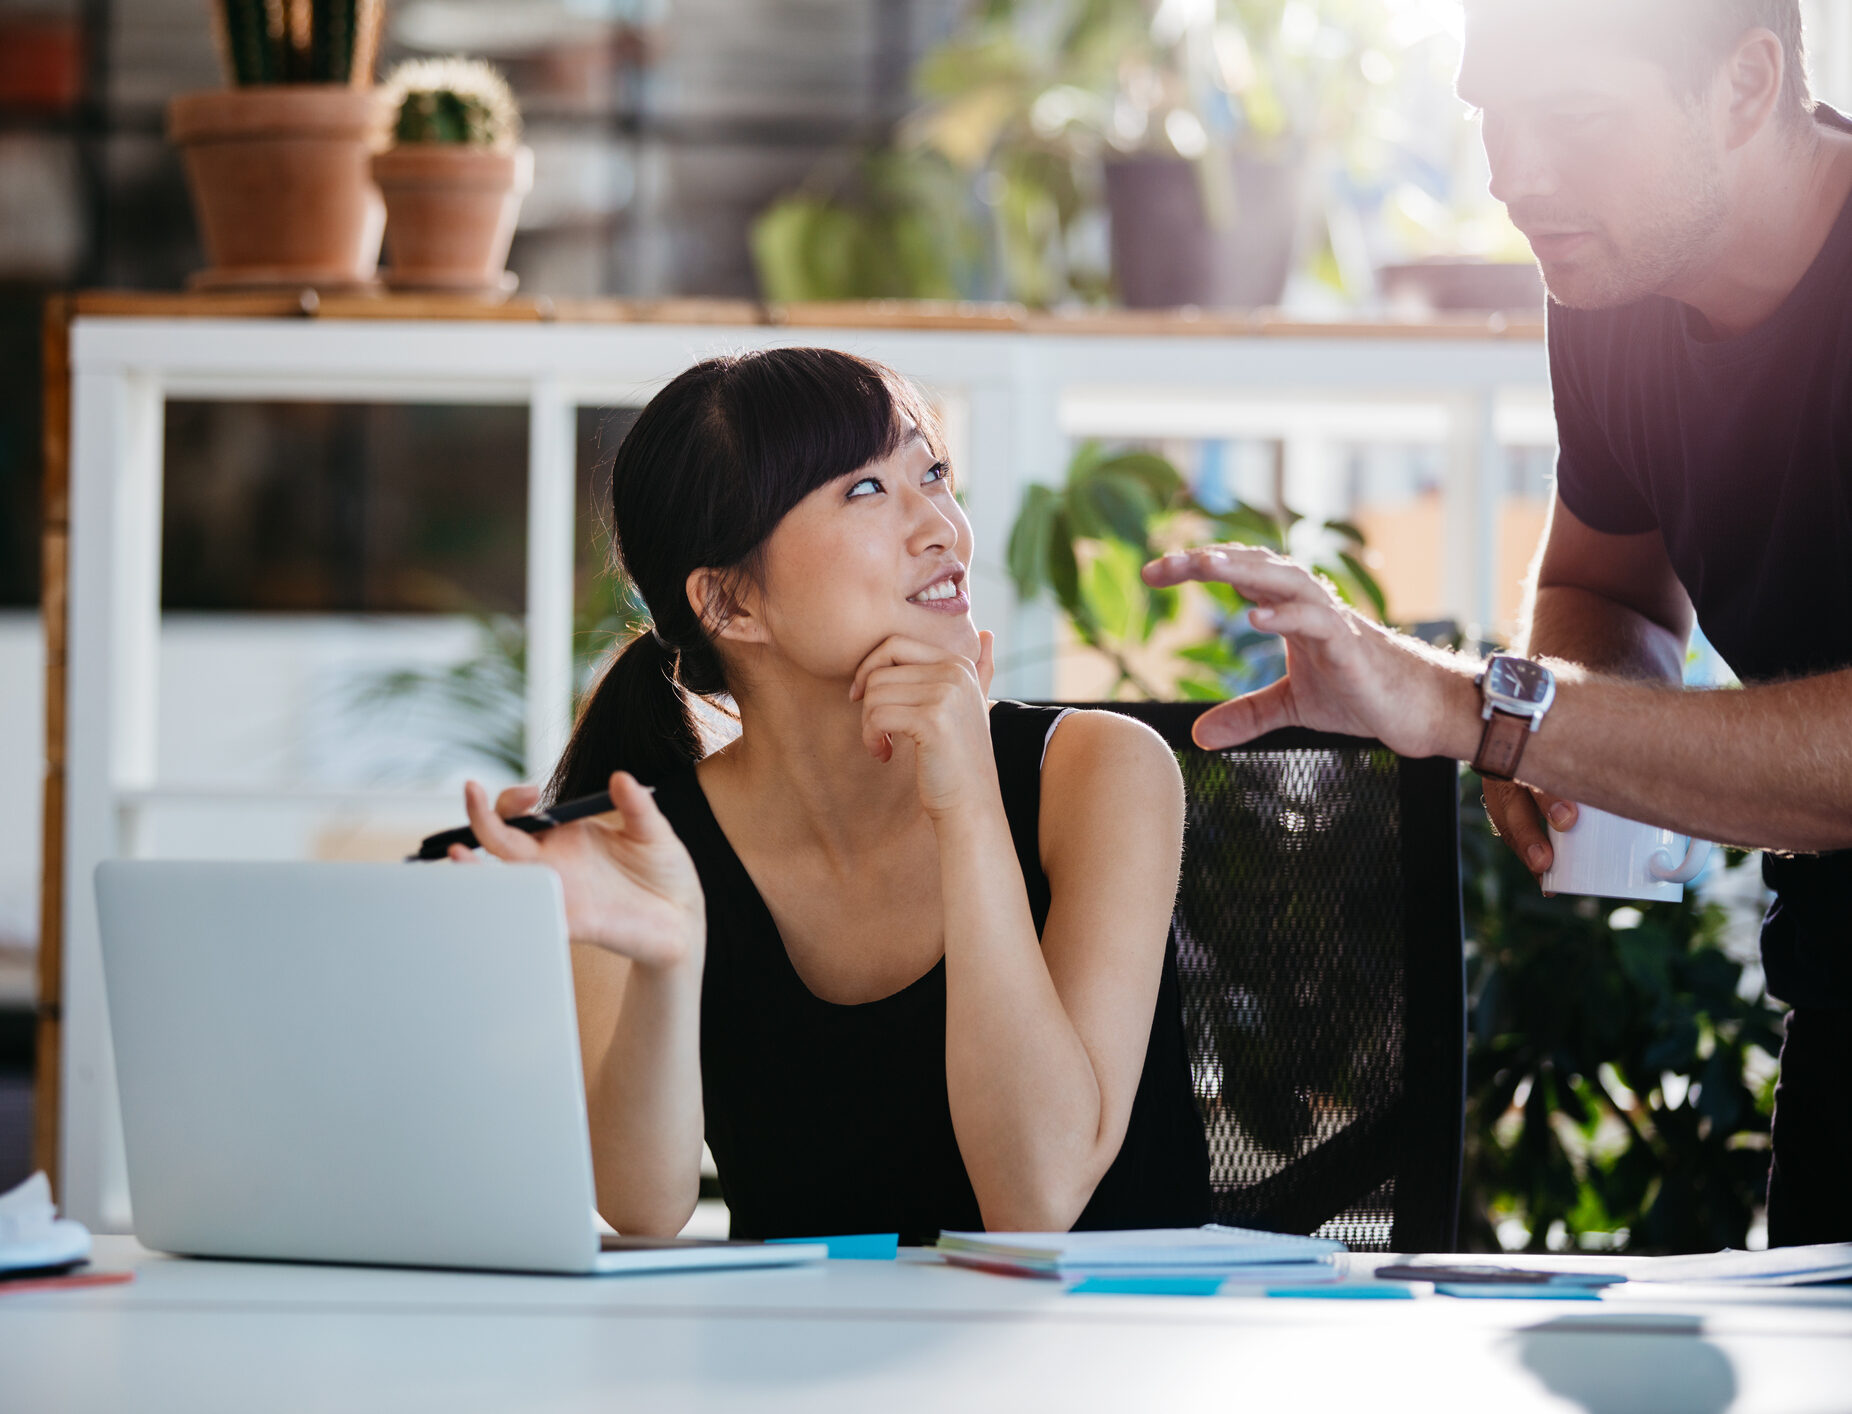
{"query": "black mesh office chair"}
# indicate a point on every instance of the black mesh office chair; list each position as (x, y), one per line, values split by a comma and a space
(1319, 942)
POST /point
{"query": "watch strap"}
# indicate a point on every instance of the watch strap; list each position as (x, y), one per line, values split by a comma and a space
(1501, 746)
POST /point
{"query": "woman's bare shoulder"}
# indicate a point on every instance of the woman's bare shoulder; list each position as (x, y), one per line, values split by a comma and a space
(1091, 740)
(1102, 769)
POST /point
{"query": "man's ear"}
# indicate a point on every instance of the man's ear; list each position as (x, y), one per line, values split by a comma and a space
(722, 603)
(1755, 73)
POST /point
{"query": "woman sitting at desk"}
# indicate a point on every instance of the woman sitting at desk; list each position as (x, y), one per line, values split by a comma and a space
(901, 953)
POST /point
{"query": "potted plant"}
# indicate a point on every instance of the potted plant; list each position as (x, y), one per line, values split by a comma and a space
(454, 177)
(277, 161)
(1115, 109)
(1202, 166)
(1202, 130)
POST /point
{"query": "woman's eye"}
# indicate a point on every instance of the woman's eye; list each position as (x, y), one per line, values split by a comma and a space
(873, 484)
(938, 471)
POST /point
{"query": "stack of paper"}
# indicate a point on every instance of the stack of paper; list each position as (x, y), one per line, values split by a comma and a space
(32, 1235)
(1779, 1266)
(1158, 1252)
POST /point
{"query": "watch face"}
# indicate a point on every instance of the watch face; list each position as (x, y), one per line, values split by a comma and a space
(1519, 680)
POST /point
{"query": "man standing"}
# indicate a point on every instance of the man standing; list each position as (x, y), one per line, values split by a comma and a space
(1691, 209)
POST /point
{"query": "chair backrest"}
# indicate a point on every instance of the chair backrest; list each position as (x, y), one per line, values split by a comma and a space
(1319, 943)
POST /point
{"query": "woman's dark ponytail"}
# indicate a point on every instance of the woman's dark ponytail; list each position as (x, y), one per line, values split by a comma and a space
(700, 481)
(636, 718)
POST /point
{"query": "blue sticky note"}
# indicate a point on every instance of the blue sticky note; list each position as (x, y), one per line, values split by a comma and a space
(1360, 1291)
(1508, 1291)
(855, 1247)
(1147, 1286)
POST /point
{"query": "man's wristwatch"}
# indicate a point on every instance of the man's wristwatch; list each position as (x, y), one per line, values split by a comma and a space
(1516, 692)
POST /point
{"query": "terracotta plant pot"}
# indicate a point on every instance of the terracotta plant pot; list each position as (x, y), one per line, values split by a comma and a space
(280, 183)
(450, 213)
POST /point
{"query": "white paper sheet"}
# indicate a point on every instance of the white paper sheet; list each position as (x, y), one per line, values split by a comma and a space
(32, 1234)
(1779, 1266)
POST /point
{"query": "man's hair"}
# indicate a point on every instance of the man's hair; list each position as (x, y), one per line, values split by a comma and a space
(1690, 38)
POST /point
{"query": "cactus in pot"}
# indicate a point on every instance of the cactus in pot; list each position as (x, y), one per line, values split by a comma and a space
(277, 160)
(453, 178)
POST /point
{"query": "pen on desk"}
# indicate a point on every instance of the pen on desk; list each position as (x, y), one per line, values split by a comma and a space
(438, 846)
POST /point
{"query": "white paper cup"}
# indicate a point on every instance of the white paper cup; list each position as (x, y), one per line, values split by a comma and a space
(1604, 856)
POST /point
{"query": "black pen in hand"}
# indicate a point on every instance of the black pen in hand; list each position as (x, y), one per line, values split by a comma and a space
(438, 846)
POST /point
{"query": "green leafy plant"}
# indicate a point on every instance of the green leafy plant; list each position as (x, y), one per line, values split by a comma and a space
(1620, 1074)
(1083, 543)
(298, 41)
(1619, 1061)
(884, 225)
(1001, 196)
(462, 101)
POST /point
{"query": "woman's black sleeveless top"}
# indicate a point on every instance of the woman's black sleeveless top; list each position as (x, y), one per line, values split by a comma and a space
(827, 1119)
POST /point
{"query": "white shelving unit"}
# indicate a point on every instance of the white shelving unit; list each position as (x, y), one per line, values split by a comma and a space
(1013, 396)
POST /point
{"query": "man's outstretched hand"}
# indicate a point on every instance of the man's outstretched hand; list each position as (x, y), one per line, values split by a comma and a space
(1344, 672)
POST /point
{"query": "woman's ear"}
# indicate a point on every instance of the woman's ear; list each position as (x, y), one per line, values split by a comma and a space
(722, 605)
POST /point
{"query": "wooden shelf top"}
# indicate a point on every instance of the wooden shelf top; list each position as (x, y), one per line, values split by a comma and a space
(878, 314)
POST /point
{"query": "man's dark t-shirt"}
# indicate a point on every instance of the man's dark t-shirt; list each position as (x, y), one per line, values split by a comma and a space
(1739, 452)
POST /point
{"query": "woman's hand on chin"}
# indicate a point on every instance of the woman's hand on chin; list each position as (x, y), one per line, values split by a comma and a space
(629, 883)
(936, 699)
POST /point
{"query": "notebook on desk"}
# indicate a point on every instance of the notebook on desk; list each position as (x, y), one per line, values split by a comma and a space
(372, 1063)
(1146, 1252)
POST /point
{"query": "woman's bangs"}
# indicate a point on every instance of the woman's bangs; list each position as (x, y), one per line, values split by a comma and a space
(807, 417)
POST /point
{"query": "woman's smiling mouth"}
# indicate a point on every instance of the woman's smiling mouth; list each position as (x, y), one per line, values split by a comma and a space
(945, 595)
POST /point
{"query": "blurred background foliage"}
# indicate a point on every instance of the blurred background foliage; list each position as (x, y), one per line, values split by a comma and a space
(1620, 1060)
(995, 184)
(1620, 1064)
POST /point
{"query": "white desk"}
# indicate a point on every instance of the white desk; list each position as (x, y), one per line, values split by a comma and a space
(210, 1336)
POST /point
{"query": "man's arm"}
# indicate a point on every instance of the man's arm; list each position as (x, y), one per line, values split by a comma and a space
(1766, 767)
(1611, 603)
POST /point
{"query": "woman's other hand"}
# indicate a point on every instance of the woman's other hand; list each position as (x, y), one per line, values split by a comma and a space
(937, 700)
(630, 885)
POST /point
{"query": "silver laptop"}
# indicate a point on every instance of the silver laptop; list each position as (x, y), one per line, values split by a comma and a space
(360, 1063)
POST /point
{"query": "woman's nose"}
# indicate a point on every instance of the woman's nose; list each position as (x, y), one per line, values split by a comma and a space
(932, 528)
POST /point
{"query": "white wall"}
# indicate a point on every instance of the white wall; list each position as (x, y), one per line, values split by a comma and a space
(270, 699)
(271, 703)
(1829, 42)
